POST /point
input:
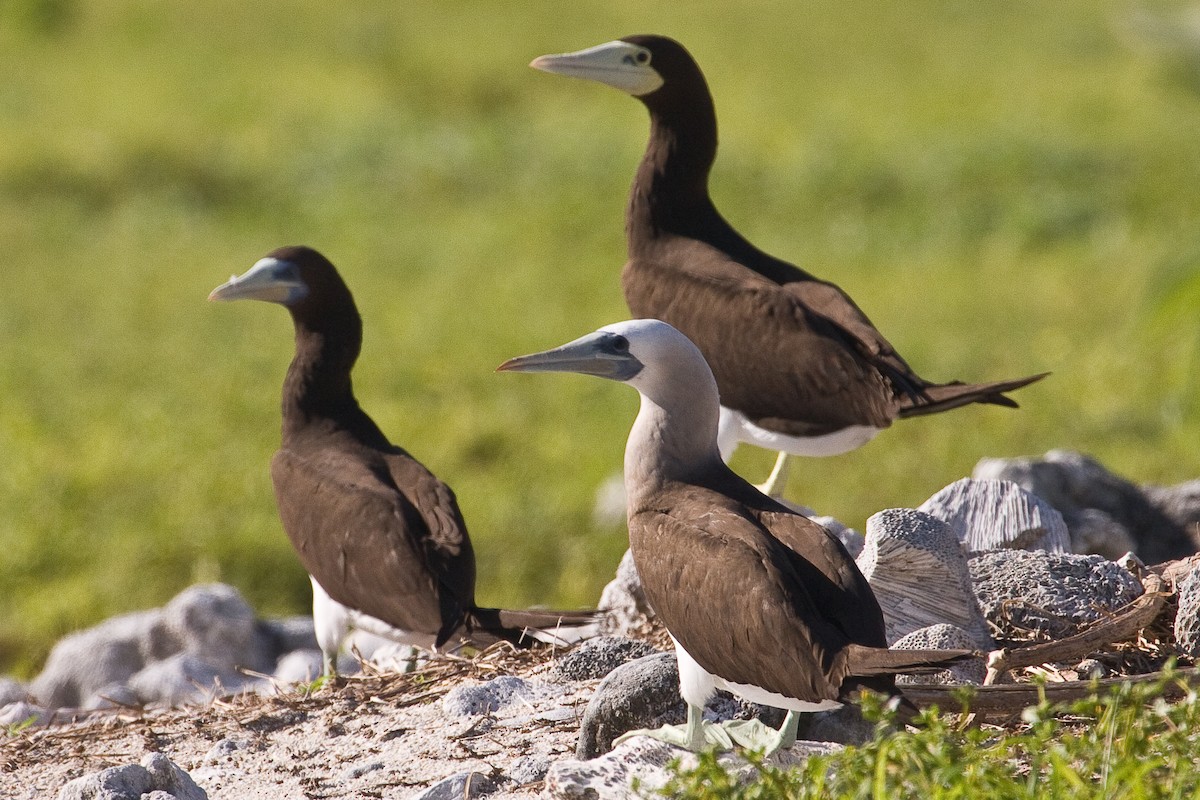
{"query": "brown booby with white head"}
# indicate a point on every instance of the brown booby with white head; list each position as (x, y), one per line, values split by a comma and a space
(381, 537)
(801, 369)
(759, 600)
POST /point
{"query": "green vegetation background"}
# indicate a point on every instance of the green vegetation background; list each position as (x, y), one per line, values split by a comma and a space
(1005, 188)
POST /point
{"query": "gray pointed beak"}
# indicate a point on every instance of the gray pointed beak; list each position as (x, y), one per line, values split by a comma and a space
(618, 64)
(270, 279)
(603, 354)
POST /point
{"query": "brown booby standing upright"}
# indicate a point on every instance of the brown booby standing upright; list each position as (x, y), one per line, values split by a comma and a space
(759, 600)
(800, 368)
(381, 537)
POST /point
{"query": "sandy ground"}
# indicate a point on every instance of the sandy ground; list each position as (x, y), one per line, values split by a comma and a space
(373, 736)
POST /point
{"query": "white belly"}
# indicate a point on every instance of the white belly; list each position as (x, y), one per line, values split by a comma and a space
(697, 685)
(735, 428)
(332, 621)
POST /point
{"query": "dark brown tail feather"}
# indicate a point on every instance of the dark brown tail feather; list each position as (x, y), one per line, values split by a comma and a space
(488, 625)
(945, 396)
(875, 668)
(866, 662)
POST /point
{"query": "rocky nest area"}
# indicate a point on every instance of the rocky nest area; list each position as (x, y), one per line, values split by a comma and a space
(200, 699)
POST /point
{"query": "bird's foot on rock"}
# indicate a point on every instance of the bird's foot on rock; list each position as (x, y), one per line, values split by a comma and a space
(747, 734)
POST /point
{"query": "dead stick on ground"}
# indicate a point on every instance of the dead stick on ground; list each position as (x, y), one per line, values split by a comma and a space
(992, 701)
(1121, 626)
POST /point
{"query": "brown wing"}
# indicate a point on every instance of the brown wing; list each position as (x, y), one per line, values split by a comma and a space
(400, 556)
(785, 365)
(744, 605)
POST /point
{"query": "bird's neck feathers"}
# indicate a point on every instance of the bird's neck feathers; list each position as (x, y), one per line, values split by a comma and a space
(318, 384)
(674, 438)
(670, 190)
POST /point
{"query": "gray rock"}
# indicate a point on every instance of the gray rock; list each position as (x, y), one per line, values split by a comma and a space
(990, 514)
(1073, 482)
(22, 714)
(214, 622)
(290, 633)
(1094, 531)
(643, 762)
(156, 774)
(109, 653)
(1048, 594)
(486, 698)
(11, 691)
(596, 657)
(644, 693)
(628, 612)
(528, 769)
(1187, 618)
(640, 694)
(222, 751)
(115, 783)
(115, 695)
(944, 637)
(919, 574)
(463, 786)
(167, 777)
(299, 666)
(844, 725)
(358, 770)
(185, 678)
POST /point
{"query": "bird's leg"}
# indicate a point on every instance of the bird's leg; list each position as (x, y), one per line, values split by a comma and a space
(788, 730)
(776, 482)
(329, 661)
(695, 729)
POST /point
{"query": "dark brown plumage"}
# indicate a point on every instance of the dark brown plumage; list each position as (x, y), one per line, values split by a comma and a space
(375, 529)
(789, 351)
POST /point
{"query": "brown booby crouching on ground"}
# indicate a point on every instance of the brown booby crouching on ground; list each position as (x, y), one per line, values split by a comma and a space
(801, 369)
(381, 537)
(759, 600)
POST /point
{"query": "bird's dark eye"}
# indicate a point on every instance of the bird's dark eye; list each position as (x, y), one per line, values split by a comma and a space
(620, 344)
(643, 57)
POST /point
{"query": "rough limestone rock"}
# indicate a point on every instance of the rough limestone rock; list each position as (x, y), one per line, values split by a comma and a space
(628, 613)
(185, 678)
(944, 637)
(640, 694)
(644, 693)
(214, 622)
(596, 657)
(21, 714)
(156, 774)
(109, 653)
(644, 760)
(289, 634)
(486, 698)
(11, 691)
(529, 769)
(1049, 595)
(1187, 618)
(298, 666)
(462, 786)
(1074, 483)
(919, 574)
(998, 514)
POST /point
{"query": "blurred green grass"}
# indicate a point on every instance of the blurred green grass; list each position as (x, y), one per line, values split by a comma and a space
(1004, 188)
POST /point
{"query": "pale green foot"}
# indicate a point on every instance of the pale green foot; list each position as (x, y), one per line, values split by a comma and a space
(699, 735)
